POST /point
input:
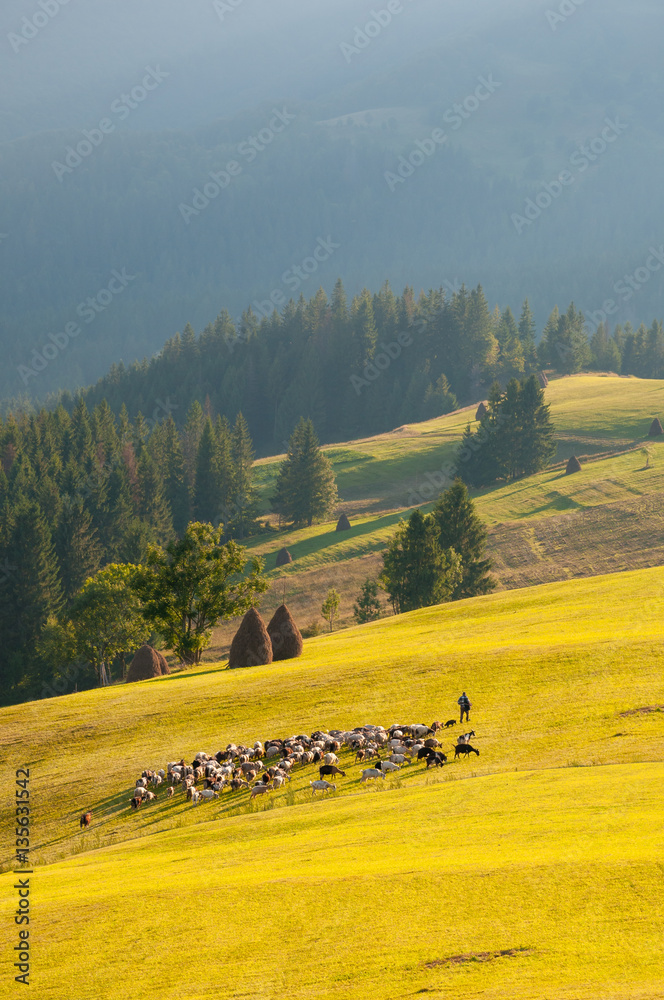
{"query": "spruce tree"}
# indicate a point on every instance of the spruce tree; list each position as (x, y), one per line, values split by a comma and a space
(176, 487)
(460, 528)
(417, 572)
(207, 486)
(242, 491)
(368, 607)
(527, 334)
(29, 589)
(76, 545)
(306, 488)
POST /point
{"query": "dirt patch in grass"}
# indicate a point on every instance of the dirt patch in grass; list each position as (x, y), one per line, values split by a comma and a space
(478, 956)
(646, 710)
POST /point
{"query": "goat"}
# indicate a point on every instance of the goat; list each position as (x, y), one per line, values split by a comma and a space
(260, 789)
(330, 769)
(450, 722)
(464, 748)
(85, 820)
(372, 772)
(465, 737)
(321, 786)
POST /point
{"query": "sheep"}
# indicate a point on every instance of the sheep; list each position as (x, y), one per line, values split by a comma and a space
(330, 769)
(372, 772)
(464, 748)
(321, 786)
(85, 820)
(272, 751)
(260, 789)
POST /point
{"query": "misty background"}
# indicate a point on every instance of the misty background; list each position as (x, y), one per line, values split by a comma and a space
(222, 69)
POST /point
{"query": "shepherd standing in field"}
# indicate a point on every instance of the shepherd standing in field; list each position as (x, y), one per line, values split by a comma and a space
(464, 706)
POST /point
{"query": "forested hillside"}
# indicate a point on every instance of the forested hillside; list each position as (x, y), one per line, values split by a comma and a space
(353, 166)
(367, 366)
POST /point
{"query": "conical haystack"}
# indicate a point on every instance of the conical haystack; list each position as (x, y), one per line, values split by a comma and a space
(283, 558)
(162, 663)
(251, 645)
(481, 411)
(543, 380)
(144, 665)
(285, 635)
(343, 524)
(655, 428)
(574, 465)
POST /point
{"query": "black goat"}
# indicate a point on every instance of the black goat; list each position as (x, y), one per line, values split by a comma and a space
(464, 748)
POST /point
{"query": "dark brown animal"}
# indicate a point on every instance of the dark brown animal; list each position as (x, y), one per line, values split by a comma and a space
(85, 820)
(450, 722)
(330, 769)
(465, 749)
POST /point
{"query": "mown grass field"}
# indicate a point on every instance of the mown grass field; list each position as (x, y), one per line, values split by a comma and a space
(531, 871)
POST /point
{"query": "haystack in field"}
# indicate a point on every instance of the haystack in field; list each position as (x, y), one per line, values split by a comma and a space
(284, 634)
(655, 428)
(481, 411)
(343, 524)
(251, 644)
(162, 663)
(574, 465)
(543, 380)
(144, 665)
(283, 558)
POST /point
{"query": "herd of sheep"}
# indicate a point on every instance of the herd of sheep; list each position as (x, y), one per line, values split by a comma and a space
(266, 765)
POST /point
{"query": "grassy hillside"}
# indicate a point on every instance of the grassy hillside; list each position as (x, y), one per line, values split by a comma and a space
(530, 871)
(542, 528)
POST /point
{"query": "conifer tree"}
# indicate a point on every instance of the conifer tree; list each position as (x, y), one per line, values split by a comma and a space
(242, 492)
(460, 528)
(306, 488)
(76, 546)
(417, 572)
(176, 487)
(527, 335)
(207, 481)
(29, 589)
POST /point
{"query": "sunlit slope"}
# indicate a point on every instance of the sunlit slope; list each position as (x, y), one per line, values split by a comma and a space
(548, 670)
(521, 885)
(531, 871)
(591, 413)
